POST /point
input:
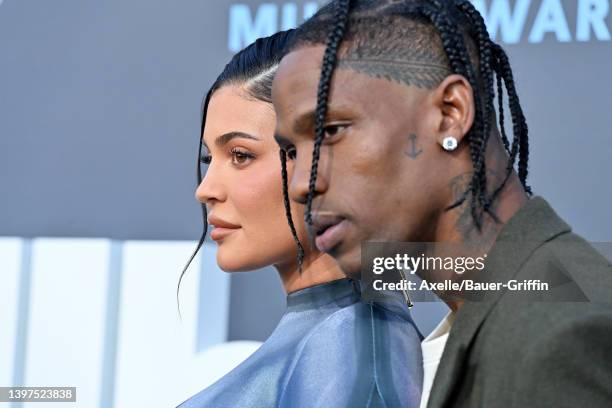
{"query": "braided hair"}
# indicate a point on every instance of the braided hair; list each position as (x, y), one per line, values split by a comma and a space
(468, 51)
(329, 63)
(253, 68)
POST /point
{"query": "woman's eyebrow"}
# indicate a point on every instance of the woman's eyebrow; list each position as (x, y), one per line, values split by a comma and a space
(226, 137)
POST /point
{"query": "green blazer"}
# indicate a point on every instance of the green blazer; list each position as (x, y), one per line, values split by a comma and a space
(553, 351)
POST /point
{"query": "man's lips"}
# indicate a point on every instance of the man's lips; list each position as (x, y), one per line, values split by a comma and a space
(328, 230)
(221, 228)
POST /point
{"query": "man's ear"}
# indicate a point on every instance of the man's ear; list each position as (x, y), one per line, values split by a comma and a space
(455, 99)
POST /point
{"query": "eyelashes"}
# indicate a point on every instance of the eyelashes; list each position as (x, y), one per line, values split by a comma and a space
(239, 157)
(333, 130)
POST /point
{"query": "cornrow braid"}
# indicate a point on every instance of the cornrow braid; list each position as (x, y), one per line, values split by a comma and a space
(300, 248)
(500, 66)
(456, 50)
(329, 61)
(493, 60)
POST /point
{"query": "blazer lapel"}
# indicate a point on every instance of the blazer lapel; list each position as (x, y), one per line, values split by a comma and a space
(535, 223)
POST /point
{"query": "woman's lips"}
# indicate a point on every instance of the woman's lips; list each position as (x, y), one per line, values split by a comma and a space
(221, 228)
(218, 233)
(331, 236)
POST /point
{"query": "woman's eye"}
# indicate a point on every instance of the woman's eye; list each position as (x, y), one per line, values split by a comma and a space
(206, 158)
(240, 157)
(333, 130)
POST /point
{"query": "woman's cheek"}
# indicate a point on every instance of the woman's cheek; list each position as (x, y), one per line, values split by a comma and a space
(259, 201)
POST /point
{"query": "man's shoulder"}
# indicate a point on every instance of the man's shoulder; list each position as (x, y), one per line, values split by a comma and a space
(578, 293)
(573, 267)
(579, 286)
(540, 350)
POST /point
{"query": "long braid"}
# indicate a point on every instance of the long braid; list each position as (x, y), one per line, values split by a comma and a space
(503, 73)
(519, 123)
(493, 60)
(518, 112)
(300, 248)
(500, 104)
(486, 76)
(514, 150)
(456, 50)
(329, 61)
(457, 62)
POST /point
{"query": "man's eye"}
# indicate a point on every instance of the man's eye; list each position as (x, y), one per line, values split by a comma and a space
(333, 130)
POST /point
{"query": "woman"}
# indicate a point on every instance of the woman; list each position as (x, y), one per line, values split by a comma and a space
(322, 352)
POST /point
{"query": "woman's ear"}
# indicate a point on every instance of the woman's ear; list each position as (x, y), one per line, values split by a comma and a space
(454, 98)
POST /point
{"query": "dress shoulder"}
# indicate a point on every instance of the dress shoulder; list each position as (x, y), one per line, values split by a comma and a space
(360, 355)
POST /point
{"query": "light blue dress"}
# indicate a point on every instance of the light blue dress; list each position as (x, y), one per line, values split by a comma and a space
(329, 349)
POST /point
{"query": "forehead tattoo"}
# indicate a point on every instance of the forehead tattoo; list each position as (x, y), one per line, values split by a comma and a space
(415, 60)
(407, 72)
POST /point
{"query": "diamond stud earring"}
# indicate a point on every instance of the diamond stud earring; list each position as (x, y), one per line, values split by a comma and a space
(449, 143)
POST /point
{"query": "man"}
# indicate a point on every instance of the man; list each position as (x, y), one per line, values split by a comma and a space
(405, 147)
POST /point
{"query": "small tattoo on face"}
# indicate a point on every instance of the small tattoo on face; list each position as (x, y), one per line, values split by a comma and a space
(412, 151)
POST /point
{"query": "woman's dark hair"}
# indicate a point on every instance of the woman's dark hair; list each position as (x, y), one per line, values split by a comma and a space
(253, 69)
(423, 30)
